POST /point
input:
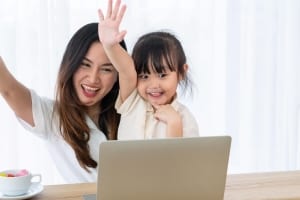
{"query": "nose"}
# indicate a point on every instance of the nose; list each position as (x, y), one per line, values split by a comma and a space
(153, 82)
(94, 75)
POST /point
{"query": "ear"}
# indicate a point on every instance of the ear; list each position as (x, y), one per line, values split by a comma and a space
(185, 69)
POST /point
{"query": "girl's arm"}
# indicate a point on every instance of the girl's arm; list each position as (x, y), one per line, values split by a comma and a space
(110, 37)
(15, 94)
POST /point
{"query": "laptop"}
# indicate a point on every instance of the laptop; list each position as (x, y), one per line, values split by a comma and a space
(163, 169)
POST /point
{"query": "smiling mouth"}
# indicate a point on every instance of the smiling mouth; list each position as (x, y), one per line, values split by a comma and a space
(155, 94)
(90, 90)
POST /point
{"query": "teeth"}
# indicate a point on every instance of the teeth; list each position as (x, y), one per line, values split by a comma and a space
(155, 94)
(154, 91)
(90, 88)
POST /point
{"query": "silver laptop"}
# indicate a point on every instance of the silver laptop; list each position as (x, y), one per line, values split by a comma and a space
(163, 169)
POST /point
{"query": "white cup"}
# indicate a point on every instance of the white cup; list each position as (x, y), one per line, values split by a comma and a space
(18, 185)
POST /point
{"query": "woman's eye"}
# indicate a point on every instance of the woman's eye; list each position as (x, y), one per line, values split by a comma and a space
(106, 70)
(84, 64)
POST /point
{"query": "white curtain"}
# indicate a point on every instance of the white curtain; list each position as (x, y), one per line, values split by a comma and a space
(243, 56)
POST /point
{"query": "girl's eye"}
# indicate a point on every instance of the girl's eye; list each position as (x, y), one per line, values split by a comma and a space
(162, 75)
(143, 76)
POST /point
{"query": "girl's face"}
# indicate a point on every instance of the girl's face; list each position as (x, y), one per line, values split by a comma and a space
(95, 76)
(158, 88)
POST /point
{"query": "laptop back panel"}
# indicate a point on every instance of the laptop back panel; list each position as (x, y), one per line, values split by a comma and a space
(160, 169)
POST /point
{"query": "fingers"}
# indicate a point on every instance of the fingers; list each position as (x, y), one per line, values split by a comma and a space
(121, 35)
(115, 10)
(109, 8)
(114, 13)
(121, 13)
(100, 15)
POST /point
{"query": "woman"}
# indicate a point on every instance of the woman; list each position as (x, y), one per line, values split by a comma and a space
(83, 113)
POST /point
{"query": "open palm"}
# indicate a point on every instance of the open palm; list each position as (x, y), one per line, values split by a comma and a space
(108, 28)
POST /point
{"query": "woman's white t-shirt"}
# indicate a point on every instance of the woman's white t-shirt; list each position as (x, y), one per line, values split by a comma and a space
(47, 128)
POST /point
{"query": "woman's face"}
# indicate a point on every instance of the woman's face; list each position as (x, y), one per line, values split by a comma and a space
(95, 76)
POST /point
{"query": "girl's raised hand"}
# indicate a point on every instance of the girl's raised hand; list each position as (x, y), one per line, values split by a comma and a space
(108, 28)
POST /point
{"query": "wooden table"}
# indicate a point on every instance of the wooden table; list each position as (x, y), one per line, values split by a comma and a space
(258, 186)
(271, 186)
(66, 192)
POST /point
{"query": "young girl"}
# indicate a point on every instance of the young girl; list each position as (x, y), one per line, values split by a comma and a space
(83, 113)
(147, 99)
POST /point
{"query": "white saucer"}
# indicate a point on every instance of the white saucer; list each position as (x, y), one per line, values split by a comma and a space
(33, 190)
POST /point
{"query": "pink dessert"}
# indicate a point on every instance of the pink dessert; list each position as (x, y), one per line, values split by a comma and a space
(22, 172)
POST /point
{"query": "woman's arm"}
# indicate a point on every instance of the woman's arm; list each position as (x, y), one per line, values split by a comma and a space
(15, 94)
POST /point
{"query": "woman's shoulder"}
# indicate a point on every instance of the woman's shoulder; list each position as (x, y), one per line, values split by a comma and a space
(44, 118)
(35, 98)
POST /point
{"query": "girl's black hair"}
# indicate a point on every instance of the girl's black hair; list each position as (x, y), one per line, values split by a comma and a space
(159, 50)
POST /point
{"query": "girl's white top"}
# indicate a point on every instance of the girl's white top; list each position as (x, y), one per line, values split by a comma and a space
(138, 121)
